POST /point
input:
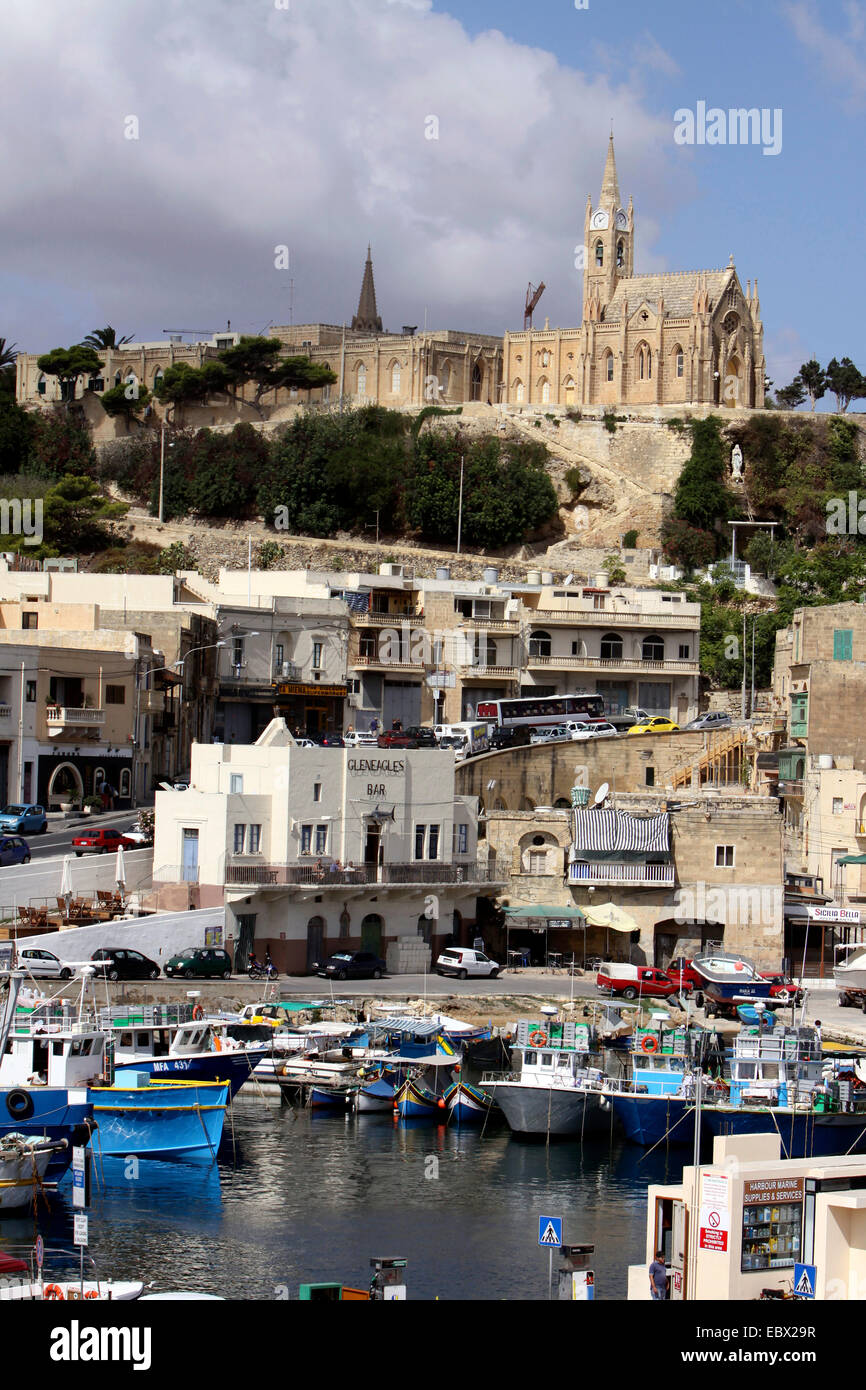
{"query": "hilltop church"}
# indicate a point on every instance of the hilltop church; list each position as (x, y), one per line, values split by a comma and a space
(687, 337)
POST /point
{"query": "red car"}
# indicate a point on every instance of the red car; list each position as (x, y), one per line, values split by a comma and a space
(783, 989)
(684, 975)
(101, 841)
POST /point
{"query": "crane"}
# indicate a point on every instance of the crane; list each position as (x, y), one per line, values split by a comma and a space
(532, 298)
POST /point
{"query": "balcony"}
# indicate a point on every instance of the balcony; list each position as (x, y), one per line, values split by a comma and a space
(616, 617)
(500, 673)
(381, 662)
(287, 671)
(313, 875)
(598, 663)
(511, 625)
(151, 701)
(386, 619)
(59, 718)
(791, 788)
(601, 874)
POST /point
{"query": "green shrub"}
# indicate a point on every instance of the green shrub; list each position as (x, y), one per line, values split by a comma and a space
(629, 540)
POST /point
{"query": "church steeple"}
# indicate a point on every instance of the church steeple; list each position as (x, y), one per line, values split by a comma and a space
(367, 319)
(609, 197)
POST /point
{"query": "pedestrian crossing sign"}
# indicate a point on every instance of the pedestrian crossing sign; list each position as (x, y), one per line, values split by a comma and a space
(805, 1278)
(550, 1231)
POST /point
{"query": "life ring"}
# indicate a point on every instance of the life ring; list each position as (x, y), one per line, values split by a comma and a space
(91, 1293)
(538, 1038)
(53, 1291)
(649, 1043)
(19, 1104)
(198, 1012)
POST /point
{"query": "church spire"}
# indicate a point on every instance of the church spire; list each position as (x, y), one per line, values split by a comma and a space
(609, 185)
(367, 319)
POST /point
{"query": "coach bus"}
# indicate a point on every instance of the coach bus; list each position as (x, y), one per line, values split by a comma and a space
(544, 709)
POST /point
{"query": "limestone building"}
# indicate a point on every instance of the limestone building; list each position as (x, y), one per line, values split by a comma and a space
(688, 337)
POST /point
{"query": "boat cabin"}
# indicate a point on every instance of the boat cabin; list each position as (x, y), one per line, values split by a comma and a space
(777, 1068)
(53, 1057)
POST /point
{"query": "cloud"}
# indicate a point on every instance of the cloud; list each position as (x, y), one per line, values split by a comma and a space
(841, 55)
(305, 126)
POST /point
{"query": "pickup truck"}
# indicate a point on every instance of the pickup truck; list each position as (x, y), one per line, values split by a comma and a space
(633, 980)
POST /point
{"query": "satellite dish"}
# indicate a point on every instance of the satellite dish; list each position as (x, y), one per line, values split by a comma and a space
(602, 794)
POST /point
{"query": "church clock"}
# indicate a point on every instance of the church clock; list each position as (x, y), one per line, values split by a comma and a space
(621, 221)
(599, 221)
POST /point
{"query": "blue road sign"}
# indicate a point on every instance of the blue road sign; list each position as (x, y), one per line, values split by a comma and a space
(805, 1279)
(550, 1231)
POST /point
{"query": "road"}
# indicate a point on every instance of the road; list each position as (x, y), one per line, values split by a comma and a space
(58, 841)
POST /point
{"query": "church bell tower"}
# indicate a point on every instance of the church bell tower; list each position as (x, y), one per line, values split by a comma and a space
(608, 241)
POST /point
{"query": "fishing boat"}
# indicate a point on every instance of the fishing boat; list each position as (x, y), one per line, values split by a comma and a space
(374, 1097)
(731, 979)
(555, 1090)
(146, 1119)
(467, 1104)
(415, 1101)
(23, 1166)
(190, 1049)
(656, 1103)
(328, 1097)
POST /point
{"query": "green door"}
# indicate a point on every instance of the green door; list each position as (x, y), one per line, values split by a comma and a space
(371, 934)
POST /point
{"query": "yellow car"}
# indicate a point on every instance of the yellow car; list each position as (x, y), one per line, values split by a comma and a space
(655, 726)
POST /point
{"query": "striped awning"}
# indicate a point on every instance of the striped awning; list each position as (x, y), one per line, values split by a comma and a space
(609, 831)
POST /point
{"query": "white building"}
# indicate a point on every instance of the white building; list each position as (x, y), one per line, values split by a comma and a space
(315, 850)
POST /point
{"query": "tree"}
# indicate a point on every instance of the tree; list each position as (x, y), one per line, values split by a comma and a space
(182, 385)
(127, 400)
(60, 444)
(7, 354)
(75, 515)
(68, 364)
(16, 431)
(789, 397)
(257, 359)
(614, 570)
(761, 553)
(701, 497)
(687, 546)
(106, 337)
(814, 380)
(845, 381)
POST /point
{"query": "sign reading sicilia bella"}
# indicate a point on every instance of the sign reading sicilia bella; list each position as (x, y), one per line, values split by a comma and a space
(374, 768)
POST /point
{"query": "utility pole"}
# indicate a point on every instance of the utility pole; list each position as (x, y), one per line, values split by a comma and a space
(745, 658)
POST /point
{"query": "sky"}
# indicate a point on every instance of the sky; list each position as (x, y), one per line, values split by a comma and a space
(156, 160)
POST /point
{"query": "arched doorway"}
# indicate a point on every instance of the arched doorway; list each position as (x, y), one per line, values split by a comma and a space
(65, 784)
(732, 386)
(372, 928)
(477, 381)
(315, 942)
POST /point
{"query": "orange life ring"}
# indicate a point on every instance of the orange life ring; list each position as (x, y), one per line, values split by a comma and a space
(53, 1291)
(649, 1043)
(198, 1012)
(538, 1038)
(91, 1293)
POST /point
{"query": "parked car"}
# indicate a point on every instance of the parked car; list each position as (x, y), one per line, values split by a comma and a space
(352, 965)
(360, 738)
(44, 965)
(459, 961)
(413, 737)
(14, 850)
(101, 841)
(684, 975)
(24, 819)
(122, 964)
(550, 733)
(715, 719)
(580, 730)
(327, 740)
(633, 980)
(656, 725)
(204, 961)
(783, 989)
(508, 738)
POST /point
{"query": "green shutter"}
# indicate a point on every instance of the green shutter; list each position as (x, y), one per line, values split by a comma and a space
(843, 643)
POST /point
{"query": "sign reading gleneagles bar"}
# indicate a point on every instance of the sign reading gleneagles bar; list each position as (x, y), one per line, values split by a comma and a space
(376, 767)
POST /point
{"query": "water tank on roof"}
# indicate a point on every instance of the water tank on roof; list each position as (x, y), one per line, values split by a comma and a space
(825, 761)
(443, 572)
(491, 575)
(533, 576)
(547, 577)
(602, 581)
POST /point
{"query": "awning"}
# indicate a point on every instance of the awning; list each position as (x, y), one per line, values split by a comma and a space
(852, 859)
(608, 830)
(535, 910)
(610, 916)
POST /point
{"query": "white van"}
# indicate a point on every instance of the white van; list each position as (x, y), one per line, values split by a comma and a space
(466, 739)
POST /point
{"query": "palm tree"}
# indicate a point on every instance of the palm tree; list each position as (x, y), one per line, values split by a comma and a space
(105, 338)
(7, 354)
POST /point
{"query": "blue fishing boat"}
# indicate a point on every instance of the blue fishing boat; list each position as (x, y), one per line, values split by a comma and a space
(142, 1118)
(466, 1104)
(195, 1049)
(658, 1102)
(48, 1113)
(375, 1097)
(327, 1097)
(414, 1101)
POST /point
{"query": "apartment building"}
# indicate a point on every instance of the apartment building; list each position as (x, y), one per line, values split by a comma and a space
(76, 705)
(314, 850)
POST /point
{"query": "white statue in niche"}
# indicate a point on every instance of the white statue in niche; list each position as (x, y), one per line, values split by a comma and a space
(737, 464)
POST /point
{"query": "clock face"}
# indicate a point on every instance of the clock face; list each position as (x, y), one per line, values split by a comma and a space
(621, 220)
(599, 221)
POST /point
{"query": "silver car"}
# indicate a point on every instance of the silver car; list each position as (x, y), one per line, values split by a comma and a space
(44, 965)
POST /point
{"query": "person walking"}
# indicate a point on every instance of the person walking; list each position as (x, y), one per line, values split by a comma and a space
(658, 1277)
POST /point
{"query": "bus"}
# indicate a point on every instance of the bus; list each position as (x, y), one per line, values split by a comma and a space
(545, 709)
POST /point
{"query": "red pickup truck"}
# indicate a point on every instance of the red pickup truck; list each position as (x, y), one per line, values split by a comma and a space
(633, 980)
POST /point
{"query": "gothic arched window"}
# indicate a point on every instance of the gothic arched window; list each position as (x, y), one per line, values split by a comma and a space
(599, 253)
(680, 360)
(518, 391)
(395, 378)
(362, 380)
(620, 254)
(609, 361)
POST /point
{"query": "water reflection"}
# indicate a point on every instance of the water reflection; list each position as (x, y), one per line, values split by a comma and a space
(298, 1197)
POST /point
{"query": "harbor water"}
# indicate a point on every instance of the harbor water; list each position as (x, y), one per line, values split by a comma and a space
(295, 1197)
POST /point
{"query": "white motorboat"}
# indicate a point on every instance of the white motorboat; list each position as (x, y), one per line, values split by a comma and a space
(849, 972)
(23, 1165)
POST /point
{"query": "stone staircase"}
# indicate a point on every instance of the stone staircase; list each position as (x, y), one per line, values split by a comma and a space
(720, 764)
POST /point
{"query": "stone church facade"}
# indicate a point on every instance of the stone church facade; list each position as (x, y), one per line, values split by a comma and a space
(685, 338)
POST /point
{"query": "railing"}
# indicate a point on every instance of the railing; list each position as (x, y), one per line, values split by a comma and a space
(176, 873)
(787, 787)
(661, 875)
(386, 619)
(386, 661)
(614, 617)
(490, 624)
(287, 671)
(510, 673)
(640, 663)
(859, 828)
(5, 711)
(325, 876)
(65, 714)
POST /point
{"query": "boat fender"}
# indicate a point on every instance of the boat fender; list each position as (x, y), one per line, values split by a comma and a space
(648, 1043)
(53, 1291)
(538, 1038)
(19, 1104)
(198, 1012)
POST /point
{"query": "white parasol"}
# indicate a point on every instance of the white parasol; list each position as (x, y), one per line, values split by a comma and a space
(120, 872)
(66, 889)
